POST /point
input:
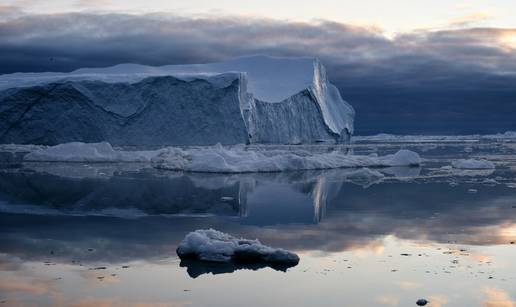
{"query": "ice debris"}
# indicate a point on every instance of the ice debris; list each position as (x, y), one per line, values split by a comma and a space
(473, 164)
(214, 246)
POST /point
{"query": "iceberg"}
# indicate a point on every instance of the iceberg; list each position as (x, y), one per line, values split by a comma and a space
(250, 100)
(214, 246)
(473, 164)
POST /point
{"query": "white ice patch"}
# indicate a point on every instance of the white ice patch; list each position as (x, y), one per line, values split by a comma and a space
(473, 164)
(384, 137)
(20, 148)
(218, 159)
(215, 246)
(87, 152)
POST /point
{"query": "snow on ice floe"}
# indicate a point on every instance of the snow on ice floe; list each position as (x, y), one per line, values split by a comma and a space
(87, 152)
(220, 159)
(473, 164)
(385, 137)
(215, 246)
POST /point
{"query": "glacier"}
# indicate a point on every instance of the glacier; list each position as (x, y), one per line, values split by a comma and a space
(248, 100)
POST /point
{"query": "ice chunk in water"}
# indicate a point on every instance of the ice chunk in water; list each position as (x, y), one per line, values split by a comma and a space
(215, 246)
(473, 164)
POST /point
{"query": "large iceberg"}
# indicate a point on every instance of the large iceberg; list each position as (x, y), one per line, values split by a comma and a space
(255, 99)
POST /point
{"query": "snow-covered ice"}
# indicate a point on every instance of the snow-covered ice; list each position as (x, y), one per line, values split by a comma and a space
(220, 159)
(215, 246)
(473, 164)
(385, 137)
(87, 152)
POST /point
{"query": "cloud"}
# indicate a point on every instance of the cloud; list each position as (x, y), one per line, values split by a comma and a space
(471, 66)
(388, 300)
(497, 298)
(117, 302)
(438, 300)
(74, 40)
(409, 285)
(34, 287)
(470, 19)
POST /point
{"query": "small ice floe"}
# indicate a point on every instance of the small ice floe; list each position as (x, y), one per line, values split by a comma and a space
(226, 199)
(472, 191)
(221, 159)
(490, 182)
(210, 245)
(87, 152)
(473, 164)
(238, 159)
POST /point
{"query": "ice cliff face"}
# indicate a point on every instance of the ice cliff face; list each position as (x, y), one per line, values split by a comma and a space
(245, 100)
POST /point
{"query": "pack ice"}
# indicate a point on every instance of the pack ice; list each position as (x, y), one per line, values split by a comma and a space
(245, 100)
(215, 246)
(221, 159)
(473, 164)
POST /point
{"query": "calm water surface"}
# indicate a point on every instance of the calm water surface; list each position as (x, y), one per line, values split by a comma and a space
(106, 234)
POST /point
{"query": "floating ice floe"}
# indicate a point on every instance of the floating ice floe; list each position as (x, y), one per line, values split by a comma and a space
(473, 164)
(87, 152)
(218, 159)
(214, 246)
(385, 137)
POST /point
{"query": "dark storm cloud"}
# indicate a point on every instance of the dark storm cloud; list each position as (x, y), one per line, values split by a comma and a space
(75, 40)
(354, 55)
(424, 70)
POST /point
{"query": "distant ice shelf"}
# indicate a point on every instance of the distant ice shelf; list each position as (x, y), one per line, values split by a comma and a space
(255, 100)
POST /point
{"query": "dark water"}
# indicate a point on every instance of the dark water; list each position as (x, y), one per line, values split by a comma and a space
(105, 234)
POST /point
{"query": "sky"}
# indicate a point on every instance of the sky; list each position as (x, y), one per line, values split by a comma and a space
(390, 16)
(441, 66)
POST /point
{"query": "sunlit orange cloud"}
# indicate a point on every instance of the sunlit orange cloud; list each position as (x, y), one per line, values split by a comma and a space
(115, 302)
(509, 231)
(497, 298)
(33, 287)
(409, 285)
(376, 247)
(469, 19)
(480, 257)
(437, 300)
(388, 300)
(9, 263)
(37, 287)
